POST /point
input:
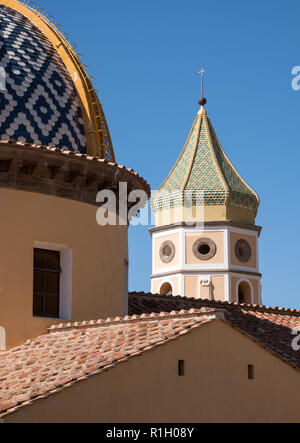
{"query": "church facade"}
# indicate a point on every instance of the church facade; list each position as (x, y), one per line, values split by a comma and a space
(74, 345)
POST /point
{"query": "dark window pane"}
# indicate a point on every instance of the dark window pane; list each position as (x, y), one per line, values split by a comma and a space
(39, 259)
(46, 283)
(53, 260)
(52, 284)
(52, 306)
(38, 305)
(38, 284)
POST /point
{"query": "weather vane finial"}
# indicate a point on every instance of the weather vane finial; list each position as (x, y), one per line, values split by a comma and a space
(202, 100)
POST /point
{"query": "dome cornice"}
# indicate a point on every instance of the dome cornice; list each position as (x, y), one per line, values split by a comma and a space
(97, 133)
(61, 173)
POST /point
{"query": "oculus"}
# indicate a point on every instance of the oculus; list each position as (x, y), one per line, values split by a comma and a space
(204, 248)
(243, 251)
(167, 251)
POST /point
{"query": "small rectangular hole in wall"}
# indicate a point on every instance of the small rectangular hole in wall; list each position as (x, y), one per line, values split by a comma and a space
(181, 368)
(250, 372)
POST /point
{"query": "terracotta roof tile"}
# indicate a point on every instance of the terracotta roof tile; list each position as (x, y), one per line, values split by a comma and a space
(271, 327)
(77, 154)
(72, 352)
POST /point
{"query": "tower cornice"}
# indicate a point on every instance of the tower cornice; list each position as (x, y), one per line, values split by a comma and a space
(211, 224)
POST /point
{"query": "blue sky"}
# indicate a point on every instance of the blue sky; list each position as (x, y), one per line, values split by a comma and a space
(144, 55)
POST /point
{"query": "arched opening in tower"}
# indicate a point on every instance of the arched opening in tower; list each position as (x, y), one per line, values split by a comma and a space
(166, 289)
(244, 293)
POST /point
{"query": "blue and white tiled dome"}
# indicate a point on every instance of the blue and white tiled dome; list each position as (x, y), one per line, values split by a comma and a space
(38, 99)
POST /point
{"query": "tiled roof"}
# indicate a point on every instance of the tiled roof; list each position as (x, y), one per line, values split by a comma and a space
(42, 102)
(204, 166)
(271, 327)
(73, 352)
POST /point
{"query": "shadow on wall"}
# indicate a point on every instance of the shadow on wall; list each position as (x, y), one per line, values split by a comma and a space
(2, 339)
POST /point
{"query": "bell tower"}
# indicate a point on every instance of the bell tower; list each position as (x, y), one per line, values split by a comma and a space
(205, 240)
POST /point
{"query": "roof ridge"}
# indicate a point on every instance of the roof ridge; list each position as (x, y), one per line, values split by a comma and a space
(181, 154)
(195, 148)
(280, 310)
(251, 191)
(210, 313)
(208, 127)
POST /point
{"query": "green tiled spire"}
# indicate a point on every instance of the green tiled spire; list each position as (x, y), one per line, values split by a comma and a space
(204, 166)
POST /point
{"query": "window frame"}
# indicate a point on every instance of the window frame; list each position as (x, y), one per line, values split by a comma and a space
(66, 281)
(46, 271)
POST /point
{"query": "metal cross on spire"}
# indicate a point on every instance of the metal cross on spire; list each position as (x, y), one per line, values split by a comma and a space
(202, 75)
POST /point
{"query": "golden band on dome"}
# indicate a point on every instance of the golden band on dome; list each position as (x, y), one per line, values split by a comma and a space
(97, 133)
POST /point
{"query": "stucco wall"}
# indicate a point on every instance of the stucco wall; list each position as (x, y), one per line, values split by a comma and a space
(217, 237)
(194, 289)
(191, 286)
(98, 260)
(215, 387)
(158, 263)
(218, 287)
(252, 240)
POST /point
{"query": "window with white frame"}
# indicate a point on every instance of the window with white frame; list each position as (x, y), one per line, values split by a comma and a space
(52, 281)
(46, 283)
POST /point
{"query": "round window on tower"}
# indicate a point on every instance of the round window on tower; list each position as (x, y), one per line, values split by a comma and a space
(243, 251)
(167, 251)
(204, 248)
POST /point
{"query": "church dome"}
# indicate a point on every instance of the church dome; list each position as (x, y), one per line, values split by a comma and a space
(46, 95)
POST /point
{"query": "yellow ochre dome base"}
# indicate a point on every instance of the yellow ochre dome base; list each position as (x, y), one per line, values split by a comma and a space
(204, 214)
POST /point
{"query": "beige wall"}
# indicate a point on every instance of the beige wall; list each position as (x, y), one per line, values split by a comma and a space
(217, 237)
(157, 244)
(218, 287)
(206, 213)
(193, 289)
(252, 240)
(215, 387)
(98, 260)
(191, 286)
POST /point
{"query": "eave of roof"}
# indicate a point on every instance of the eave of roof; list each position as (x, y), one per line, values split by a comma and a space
(63, 173)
